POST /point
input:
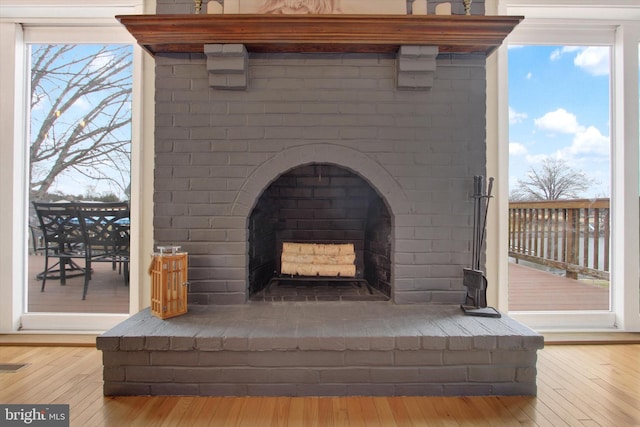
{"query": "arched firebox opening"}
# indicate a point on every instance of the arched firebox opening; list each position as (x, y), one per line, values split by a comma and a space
(320, 203)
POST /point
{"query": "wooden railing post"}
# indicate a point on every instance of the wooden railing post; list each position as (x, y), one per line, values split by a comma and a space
(570, 228)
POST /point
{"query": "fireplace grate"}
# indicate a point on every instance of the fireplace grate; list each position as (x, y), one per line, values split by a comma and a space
(317, 289)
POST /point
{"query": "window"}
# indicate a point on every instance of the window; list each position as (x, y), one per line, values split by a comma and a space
(559, 178)
(91, 25)
(574, 28)
(79, 150)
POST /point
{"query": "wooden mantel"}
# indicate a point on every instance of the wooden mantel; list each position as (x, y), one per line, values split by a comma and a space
(319, 33)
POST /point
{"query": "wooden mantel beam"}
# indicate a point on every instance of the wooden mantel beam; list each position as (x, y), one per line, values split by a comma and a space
(319, 33)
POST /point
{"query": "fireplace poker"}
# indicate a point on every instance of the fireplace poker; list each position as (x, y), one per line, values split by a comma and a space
(475, 216)
(486, 211)
(477, 220)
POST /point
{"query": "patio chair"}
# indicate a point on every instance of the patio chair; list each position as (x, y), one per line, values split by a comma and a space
(105, 227)
(37, 240)
(63, 241)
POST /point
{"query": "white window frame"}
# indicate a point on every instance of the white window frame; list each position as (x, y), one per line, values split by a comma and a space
(614, 23)
(57, 21)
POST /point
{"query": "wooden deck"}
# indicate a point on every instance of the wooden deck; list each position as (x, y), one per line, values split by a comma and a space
(107, 291)
(529, 289)
(535, 290)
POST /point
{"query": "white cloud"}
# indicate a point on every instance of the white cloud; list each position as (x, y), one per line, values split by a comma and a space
(588, 142)
(38, 102)
(515, 117)
(557, 54)
(533, 159)
(82, 104)
(517, 149)
(559, 120)
(100, 61)
(529, 75)
(594, 60)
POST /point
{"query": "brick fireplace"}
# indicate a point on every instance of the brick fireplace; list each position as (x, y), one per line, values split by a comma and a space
(218, 151)
(375, 147)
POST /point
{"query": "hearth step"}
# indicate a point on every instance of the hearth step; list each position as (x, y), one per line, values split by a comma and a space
(320, 349)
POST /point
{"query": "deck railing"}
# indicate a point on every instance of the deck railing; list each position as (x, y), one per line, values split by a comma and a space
(570, 235)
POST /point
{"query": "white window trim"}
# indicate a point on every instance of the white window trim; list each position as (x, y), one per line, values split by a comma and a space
(615, 23)
(62, 21)
(82, 12)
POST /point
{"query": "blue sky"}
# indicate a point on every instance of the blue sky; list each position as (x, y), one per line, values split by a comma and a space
(559, 106)
(83, 60)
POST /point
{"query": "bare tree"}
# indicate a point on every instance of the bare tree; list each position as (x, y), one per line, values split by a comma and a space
(80, 115)
(555, 180)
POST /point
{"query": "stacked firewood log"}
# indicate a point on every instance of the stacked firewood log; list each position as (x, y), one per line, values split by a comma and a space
(318, 259)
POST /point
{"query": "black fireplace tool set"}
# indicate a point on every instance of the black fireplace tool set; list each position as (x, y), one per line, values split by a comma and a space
(473, 278)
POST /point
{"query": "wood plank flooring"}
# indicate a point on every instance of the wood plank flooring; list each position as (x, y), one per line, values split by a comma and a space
(578, 385)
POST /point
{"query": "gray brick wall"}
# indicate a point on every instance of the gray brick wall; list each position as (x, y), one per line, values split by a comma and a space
(217, 150)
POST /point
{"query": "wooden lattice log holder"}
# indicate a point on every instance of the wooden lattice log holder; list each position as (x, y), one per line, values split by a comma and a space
(169, 280)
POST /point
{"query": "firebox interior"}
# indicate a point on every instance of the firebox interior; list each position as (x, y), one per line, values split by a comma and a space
(322, 204)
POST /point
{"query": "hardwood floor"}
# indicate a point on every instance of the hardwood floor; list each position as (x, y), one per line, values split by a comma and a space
(578, 385)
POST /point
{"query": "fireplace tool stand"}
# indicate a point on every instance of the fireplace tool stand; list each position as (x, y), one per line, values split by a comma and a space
(473, 278)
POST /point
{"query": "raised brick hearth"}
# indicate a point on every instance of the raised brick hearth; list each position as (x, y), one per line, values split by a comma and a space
(320, 349)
